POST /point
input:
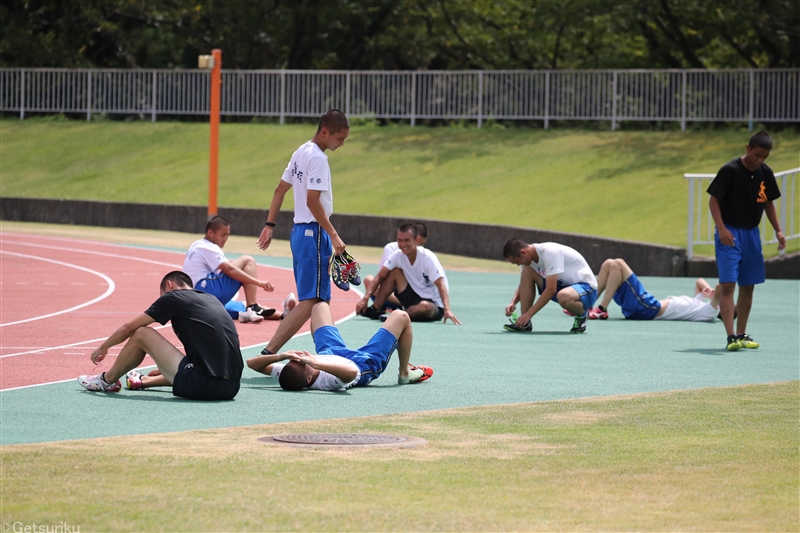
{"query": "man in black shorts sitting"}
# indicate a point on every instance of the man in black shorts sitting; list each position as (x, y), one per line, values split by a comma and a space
(413, 274)
(212, 366)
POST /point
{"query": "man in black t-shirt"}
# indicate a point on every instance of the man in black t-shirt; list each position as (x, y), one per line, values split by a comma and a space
(212, 366)
(740, 194)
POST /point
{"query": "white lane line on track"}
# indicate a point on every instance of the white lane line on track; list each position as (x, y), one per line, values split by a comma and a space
(92, 252)
(124, 246)
(109, 291)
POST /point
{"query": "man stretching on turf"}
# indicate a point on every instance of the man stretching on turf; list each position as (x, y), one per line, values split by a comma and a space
(559, 272)
(415, 276)
(211, 272)
(212, 366)
(337, 367)
(618, 281)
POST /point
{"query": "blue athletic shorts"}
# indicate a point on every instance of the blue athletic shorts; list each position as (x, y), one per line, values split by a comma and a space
(220, 285)
(743, 262)
(636, 303)
(192, 384)
(587, 294)
(371, 359)
(311, 256)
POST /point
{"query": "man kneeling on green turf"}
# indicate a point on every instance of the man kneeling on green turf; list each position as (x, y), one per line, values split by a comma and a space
(337, 367)
(212, 366)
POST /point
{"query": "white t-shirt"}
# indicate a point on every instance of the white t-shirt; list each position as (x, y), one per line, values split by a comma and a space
(566, 262)
(203, 258)
(308, 170)
(687, 308)
(392, 247)
(422, 275)
(324, 381)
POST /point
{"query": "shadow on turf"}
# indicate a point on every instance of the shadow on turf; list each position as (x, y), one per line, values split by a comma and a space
(527, 333)
(712, 351)
(146, 396)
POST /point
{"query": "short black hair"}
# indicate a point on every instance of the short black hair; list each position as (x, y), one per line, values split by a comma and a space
(422, 229)
(761, 140)
(409, 227)
(178, 278)
(513, 248)
(334, 121)
(215, 223)
(293, 376)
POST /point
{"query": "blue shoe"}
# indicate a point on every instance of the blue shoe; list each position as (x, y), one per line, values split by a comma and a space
(339, 273)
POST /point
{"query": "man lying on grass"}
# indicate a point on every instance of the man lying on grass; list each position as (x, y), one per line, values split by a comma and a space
(212, 366)
(337, 367)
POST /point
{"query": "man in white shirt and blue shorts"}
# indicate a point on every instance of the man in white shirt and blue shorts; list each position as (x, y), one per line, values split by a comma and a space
(619, 282)
(560, 273)
(416, 278)
(337, 367)
(313, 235)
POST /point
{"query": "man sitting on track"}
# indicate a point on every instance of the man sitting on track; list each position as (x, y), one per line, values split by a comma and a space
(338, 368)
(211, 272)
(560, 273)
(415, 276)
(212, 366)
(618, 281)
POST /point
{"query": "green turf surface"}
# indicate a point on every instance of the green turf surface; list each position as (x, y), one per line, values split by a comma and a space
(475, 364)
(624, 184)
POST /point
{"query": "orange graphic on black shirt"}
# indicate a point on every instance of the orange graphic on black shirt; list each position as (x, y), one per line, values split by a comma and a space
(762, 195)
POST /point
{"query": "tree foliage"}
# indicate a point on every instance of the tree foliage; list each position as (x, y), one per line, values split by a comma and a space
(402, 34)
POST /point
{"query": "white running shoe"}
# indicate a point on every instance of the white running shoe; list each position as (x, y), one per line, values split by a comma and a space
(289, 303)
(250, 316)
(96, 384)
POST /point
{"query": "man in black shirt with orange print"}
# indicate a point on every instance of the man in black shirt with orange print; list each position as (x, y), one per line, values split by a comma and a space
(212, 366)
(740, 194)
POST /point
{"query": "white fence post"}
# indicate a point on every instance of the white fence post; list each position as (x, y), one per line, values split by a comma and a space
(22, 95)
(546, 99)
(88, 96)
(614, 102)
(283, 97)
(413, 98)
(752, 99)
(155, 97)
(480, 98)
(683, 101)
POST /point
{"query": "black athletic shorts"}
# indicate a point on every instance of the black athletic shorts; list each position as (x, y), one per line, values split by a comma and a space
(410, 298)
(192, 384)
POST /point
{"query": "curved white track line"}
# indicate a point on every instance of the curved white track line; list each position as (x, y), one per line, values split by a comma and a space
(111, 287)
(105, 254)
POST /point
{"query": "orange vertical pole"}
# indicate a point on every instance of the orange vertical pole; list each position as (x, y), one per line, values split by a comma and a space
(213, 163)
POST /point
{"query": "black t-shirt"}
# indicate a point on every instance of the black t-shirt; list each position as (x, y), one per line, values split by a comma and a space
(743, 193)
(205, 328)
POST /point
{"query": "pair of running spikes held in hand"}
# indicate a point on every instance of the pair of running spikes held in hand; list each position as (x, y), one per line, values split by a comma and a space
(345, 270)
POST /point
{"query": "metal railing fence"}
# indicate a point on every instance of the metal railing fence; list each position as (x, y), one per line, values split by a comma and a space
(694, 95)
(701, 224)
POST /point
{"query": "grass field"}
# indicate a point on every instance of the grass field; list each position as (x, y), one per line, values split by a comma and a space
(621, 184)
(705, 460)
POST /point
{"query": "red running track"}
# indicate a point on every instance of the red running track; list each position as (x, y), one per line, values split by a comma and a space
(61, 298)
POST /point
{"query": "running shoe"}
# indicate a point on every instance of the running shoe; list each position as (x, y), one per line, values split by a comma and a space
(596, 313)
(386, 312)
(263, 312)
(96, 383)
(746, 341)
(371, 313)
(512, 326)
(133, 380)
(340, 274)
(353, 268)
(733, 344)
(250, 315)
(289, 303)
(416, 374)
(579, 324)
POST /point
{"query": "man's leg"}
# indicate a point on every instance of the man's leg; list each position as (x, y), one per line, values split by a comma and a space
(743, 305)
(394, 281)
(618, 271)
(569, 299)
(399, 324)
(248, 264)
(146, 341)
(726, 306)
(321, 316)
(291, 324)
(391, 299)
(529, 279)
(602, 276)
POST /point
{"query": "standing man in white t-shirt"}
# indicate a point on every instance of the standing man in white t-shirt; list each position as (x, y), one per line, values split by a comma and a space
(559, 272)
(620, 283)
(415, 276)
(213, 273)
(313, 235)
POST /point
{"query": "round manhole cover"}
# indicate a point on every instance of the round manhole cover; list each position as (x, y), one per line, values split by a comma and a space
(344, 439)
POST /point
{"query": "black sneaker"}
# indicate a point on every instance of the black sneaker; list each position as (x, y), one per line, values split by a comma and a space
(261, 311)
(512, 326)
(371, 313)
(579, 324)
